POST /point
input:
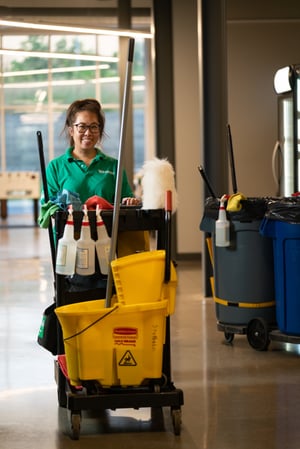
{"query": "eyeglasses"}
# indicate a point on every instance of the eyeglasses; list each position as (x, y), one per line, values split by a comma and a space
(81, 128)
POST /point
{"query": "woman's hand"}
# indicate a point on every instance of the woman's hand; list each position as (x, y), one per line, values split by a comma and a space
(130, 201)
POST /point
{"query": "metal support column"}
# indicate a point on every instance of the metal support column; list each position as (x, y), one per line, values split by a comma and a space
(214, 100)
(164, 90)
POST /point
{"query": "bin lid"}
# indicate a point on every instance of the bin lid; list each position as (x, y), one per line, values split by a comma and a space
(252, 209)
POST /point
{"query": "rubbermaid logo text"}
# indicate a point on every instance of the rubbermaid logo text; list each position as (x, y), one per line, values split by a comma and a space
(126, 336)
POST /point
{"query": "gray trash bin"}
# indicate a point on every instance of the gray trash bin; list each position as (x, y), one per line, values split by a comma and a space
(243, 274)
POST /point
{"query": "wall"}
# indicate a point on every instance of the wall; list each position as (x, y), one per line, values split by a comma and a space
(260, 40)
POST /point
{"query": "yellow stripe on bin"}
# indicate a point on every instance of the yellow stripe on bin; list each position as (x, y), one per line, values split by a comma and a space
(249, 305)
(210, 250)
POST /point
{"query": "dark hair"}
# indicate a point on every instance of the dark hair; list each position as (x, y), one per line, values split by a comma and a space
(89, 104)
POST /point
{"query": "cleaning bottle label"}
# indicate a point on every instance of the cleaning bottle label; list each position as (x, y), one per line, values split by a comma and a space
(82, 261)
(61, 258)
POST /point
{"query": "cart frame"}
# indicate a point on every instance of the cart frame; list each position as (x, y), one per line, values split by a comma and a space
(158, 392)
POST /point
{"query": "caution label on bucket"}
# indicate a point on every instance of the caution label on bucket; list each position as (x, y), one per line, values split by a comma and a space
(126, 336)
(127, 360)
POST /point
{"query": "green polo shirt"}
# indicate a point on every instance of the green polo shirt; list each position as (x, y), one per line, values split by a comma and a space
(99, 178)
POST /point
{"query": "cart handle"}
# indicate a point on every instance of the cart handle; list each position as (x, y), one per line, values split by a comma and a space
(168, 233)
(46, 195)
(118, 189)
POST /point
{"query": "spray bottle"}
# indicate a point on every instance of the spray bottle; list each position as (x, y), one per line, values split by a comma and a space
(85, 254)
(66, 248)
(102, 243)
(222, 226)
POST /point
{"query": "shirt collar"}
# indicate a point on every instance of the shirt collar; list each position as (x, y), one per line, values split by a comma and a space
(98, 156)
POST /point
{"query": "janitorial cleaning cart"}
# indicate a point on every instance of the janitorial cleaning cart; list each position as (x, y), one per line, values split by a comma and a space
(113, 329)
(119, 356)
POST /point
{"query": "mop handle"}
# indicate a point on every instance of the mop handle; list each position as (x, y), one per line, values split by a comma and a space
(168, 215)
(46, 194)
(118, 190)
(205, 179)
(42, 163)
(231, 158)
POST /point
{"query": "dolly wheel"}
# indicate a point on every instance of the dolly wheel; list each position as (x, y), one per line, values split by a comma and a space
(229, 337)
(176, 419)
(258, 334)
(156, 388)
(75, 423)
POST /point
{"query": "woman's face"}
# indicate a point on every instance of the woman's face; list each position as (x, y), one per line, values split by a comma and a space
(87, 139)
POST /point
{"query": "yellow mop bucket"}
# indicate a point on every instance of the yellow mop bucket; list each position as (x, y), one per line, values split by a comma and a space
(121, 345)
(139, 278)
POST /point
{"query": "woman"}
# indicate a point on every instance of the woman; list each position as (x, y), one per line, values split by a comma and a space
(84, 168)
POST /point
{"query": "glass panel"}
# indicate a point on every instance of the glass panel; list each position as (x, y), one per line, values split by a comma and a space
(60, 140)
(13, 42)
(20, 139)
(139, 137)
(38, 90)
(109, 90)
(24, 93)
(110, 144)
(25, 42)
(108, 45)
(24, 78)
(65, 92)
(76, 44)
(139, 103)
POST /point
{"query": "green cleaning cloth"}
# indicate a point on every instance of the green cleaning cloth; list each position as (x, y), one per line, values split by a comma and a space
(47, 210)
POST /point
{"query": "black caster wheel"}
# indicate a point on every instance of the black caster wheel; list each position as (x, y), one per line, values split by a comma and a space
(258, 334)
(156, 388)
(229, 337)
(75, 425)
(176, 420)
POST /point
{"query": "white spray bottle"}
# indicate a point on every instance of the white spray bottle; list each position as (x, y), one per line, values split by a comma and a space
(66, 248)
(85, 254)
(102, 244)
(222, 231)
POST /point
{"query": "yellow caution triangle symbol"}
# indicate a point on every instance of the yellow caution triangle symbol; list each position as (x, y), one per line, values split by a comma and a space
(127, 360)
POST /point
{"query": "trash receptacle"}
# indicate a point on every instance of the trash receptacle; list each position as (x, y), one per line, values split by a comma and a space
(243, 273)
(282, 224)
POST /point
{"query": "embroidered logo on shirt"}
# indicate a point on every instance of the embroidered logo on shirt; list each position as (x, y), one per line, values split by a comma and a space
(106, 171)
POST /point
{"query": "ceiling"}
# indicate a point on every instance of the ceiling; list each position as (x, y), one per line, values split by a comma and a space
(94, 13)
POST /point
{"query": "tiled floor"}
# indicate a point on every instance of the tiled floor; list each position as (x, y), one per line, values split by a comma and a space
(235, 397)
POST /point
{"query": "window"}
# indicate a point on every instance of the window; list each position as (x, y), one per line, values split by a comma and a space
(43, 74)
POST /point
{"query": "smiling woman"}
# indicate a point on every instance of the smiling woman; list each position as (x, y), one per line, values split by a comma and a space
(84, 168)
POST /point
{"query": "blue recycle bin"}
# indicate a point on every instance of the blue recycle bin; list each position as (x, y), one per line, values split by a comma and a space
(282, 224)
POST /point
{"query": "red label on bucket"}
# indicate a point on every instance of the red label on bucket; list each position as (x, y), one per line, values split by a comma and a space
(125, 336)
(125, 331)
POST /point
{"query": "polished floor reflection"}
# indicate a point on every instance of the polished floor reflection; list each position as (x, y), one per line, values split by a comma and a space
(235, 397)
